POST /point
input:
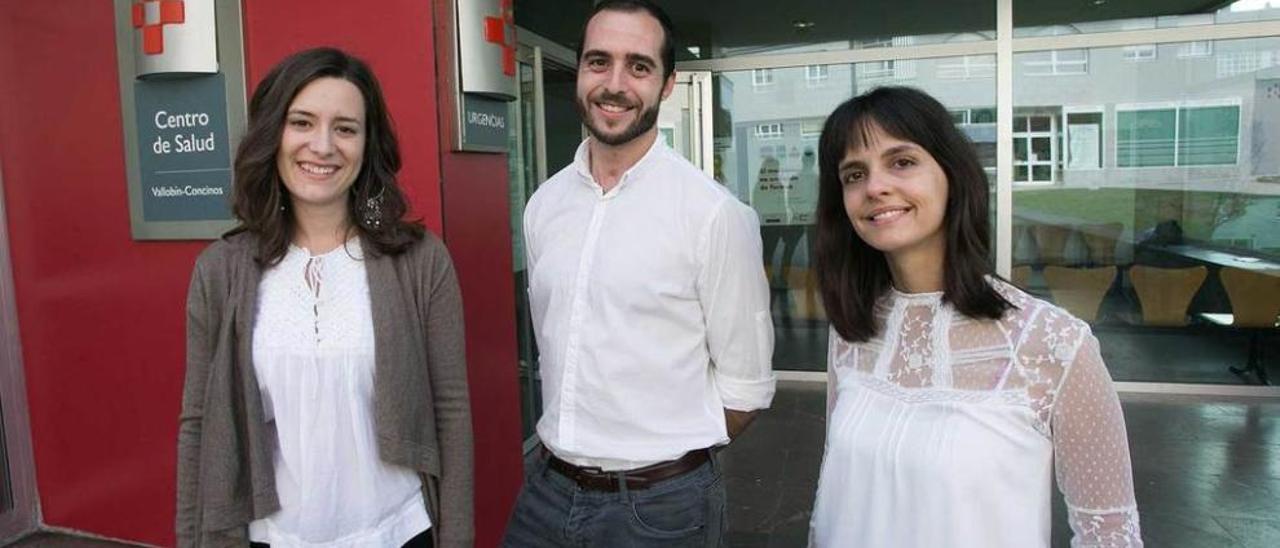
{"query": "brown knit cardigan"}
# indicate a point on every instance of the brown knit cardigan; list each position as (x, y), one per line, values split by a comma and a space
(421, 404)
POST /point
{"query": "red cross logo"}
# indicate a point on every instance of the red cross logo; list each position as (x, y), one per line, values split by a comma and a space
(495, 32)
(151, 16)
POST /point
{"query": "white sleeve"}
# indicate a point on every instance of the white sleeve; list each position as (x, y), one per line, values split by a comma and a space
(1091, 454)
(734, 295)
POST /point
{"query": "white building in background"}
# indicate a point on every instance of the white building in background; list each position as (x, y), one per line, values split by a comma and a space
(1195, 117)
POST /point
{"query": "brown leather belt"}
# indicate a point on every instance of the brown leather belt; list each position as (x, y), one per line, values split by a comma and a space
(595, 479)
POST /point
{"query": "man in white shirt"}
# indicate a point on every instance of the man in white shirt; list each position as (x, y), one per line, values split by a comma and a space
(651, 312)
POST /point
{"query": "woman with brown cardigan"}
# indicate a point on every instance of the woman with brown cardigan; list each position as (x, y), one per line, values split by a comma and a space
(325, 401)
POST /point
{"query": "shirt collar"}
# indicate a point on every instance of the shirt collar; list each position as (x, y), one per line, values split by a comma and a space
(582, 163)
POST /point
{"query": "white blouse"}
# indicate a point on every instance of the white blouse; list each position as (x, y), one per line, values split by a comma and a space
(313, 354)
(943, 431)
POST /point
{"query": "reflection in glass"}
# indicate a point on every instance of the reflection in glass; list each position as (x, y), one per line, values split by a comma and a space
(807, 27)
(1045, 17)
(522, 179)
(562, 135)
(766, 148)
(1148, 181)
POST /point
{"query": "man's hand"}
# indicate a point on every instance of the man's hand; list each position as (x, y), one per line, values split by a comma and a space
(737, 421)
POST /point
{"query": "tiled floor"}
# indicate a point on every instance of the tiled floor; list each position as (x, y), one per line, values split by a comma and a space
(1207, 473)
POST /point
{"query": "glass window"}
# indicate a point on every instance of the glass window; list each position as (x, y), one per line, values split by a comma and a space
(561, 135)
(761, 77)
(1236, 63)
(1031, 17)
(1208, 136)
(1035, 146)
(522, 179)
(1082, 135)
(816, 75)
(769, 131)
(1165, 187)
(769, 158)
(1146, 138)
(1195, 49)
(1144, 52)
(811, 129)
(1056, 62)
(969, 66)
(1182, 136)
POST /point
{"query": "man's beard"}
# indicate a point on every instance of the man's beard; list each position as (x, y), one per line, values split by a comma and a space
(647, 119)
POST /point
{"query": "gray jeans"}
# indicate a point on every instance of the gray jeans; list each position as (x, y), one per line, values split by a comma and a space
(553, 511)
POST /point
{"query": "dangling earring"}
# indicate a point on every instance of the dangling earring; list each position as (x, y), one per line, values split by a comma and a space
(281, 197)
(371, 213)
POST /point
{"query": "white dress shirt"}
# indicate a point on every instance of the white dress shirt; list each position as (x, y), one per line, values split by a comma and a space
(313, 354)
(651, 311)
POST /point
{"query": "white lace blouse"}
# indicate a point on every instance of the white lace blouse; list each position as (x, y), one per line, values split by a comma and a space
(313, 354)
(944, 430)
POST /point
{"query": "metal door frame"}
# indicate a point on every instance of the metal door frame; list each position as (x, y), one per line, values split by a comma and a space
(699, 98)
(15, 426)
(536, 50)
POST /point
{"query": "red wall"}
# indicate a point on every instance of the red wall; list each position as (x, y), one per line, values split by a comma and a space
(101, 316)
(477, 230)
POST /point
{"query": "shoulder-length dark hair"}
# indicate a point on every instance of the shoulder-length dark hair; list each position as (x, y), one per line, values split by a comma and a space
(259, 198)
(853, 275)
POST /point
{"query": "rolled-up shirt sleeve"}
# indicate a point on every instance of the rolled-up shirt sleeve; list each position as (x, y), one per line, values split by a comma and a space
(734, 294)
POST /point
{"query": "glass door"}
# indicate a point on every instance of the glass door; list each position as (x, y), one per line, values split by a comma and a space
(542, 142)
(684, 121)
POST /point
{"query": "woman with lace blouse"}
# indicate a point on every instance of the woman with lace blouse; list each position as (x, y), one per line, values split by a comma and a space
(326, 401)
(952, 395)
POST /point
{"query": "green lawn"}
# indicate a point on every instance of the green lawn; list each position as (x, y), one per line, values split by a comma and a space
(1198, 213)
(1082, 205)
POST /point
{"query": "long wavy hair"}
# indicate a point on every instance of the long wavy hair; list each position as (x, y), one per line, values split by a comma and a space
(851, 274)
(259, 199)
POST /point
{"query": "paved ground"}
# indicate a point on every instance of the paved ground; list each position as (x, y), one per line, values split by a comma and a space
(1207, 473)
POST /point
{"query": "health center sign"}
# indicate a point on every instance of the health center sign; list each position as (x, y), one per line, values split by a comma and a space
(181, 67)
(183, 157)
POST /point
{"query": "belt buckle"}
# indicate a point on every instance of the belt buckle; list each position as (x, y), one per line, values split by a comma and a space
(585, 474)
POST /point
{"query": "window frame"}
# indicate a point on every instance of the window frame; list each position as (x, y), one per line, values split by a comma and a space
(1192, 50)
(763, 78)
(1055, 155)
(817, 78)
(769, 135)
(1135, 54)
(968, 67)
(1056, 65)
(1178, 107)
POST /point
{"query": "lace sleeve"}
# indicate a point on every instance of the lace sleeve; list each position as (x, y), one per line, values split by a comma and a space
(1092, 454)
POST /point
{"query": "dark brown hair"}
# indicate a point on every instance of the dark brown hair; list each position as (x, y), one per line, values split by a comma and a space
(852, 275)
(668, 52)
(259, 198)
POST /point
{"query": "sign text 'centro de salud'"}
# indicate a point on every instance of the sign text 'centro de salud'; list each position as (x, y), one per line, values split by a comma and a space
(181, 67)
(183, 155)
